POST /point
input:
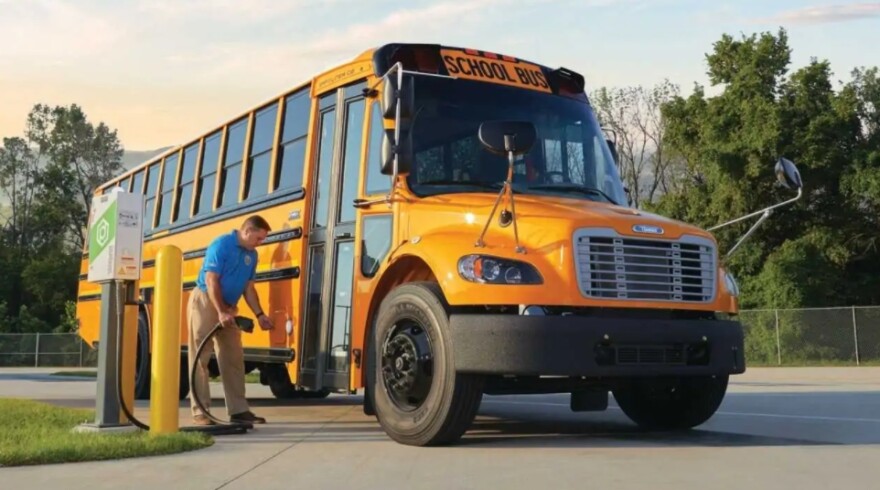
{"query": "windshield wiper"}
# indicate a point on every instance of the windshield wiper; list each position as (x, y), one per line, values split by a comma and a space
(575, 187)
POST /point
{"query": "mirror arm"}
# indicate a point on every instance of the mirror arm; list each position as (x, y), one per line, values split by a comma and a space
(765, 213)
(754, 227)
(756, 213)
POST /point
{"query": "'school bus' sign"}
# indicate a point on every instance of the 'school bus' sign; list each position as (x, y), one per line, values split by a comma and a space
(495, 69)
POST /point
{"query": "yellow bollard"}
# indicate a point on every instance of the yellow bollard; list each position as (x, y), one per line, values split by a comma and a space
(165, 383)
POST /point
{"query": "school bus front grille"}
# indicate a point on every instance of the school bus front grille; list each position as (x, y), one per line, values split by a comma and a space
(616, 267)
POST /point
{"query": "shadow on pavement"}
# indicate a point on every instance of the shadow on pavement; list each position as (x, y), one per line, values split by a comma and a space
(785, 419)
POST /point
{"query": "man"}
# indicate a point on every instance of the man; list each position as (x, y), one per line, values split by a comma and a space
(227, 273)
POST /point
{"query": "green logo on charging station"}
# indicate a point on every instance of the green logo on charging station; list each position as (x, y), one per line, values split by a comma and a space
(102, 233)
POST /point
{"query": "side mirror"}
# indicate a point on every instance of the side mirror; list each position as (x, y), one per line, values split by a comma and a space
(787, 174)
(505, 137)
(612, 147)
(404, 151)
(392, 94)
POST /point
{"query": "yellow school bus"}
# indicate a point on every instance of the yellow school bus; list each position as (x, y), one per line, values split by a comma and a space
(448, 223)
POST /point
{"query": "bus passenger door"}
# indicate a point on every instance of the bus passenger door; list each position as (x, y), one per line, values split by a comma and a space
(325, 355)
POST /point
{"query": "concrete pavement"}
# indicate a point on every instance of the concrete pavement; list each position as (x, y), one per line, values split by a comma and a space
(800, 428)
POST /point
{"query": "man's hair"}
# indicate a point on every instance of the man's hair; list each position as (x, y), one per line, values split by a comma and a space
(256, 222)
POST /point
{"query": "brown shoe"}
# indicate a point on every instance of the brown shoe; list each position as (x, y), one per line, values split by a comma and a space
(202, 419)
(247, 417)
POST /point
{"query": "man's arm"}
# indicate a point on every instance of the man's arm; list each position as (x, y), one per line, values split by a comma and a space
(225, 312)
(253, 300)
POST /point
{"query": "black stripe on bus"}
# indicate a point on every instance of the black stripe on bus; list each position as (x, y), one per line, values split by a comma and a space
(266, 276)
(291, 195)
(194, 254)
(274, 237)
(274, 275)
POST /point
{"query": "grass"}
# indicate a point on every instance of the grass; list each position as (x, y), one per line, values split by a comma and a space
(34, 433)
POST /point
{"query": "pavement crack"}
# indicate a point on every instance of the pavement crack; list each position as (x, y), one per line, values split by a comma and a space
(285, 449)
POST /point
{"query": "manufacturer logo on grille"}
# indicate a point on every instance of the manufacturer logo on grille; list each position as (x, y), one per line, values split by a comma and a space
(653, 230)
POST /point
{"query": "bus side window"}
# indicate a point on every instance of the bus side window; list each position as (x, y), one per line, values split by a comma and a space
(169, 176)
(376, 183)
(231, 177)
(187, 175)
(257, 181)
(150, 202)
(376, 242)
(292, 148)
(137, 185)
(205, 193)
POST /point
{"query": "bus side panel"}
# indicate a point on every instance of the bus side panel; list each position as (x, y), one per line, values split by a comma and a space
(274, 259)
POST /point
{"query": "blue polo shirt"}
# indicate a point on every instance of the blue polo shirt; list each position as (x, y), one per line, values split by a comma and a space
(235, 264)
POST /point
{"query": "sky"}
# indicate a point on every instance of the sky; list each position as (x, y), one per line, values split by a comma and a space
(163, 72)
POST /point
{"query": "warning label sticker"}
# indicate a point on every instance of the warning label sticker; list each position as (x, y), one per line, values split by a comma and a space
(486, 69)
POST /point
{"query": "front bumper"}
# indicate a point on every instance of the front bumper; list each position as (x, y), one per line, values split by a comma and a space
(595, 347)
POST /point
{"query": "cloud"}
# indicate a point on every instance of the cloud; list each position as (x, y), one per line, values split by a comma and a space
(825, 14)
(227, 10)
(54, 30)
(280, 62)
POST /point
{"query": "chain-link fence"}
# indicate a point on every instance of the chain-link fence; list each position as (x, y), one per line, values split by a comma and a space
(813, 336)
(45, 350)
(802, 337)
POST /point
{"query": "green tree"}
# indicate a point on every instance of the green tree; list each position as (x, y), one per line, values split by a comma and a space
(806, 254)
(81, 157)
(48, 178)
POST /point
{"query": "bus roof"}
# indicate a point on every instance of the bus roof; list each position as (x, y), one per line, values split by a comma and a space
(425, 58)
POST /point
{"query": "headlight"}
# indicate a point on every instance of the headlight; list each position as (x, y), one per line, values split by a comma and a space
(730, 284)
(493, 270)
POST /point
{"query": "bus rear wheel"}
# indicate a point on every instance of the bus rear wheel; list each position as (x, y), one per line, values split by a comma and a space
(676, 404)
(418, 397)
(143, 364)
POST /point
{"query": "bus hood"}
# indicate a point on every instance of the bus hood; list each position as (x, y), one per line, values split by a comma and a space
(539, 219)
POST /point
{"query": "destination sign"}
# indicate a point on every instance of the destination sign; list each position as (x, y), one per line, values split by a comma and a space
(494, 69)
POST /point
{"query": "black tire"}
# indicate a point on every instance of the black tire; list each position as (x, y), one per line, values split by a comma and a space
(683, 403)
(419, 398)
(143, 362)
(279, 383)
(184, 378)
(369, 377)
(143, 365)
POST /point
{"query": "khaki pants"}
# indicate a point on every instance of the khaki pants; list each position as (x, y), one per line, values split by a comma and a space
(202, 317)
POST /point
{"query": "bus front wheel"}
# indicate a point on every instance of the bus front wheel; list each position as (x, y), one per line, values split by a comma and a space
(418, 397)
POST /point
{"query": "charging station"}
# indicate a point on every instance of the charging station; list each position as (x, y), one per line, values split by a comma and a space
(114, 247)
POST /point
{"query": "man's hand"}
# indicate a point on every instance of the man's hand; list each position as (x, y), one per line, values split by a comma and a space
(266, 323)
(227, 318)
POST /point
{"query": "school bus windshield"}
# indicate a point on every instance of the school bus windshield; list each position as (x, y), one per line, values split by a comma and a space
(570, 157)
